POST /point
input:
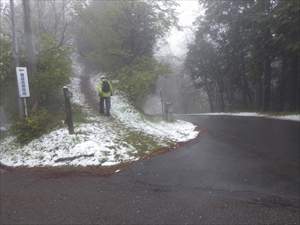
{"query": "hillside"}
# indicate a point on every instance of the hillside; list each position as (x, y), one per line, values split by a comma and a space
(126, 136)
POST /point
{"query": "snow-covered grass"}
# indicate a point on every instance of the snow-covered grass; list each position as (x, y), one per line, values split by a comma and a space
(125, 136)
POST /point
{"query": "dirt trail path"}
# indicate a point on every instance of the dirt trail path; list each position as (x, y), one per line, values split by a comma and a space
(89, 93)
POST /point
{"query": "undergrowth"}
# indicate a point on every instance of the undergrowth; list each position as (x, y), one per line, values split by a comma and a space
(35, 125)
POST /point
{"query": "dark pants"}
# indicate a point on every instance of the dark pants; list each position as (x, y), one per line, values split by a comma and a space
(107, 105)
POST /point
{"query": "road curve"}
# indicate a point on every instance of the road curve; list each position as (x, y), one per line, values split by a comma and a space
(238, 171)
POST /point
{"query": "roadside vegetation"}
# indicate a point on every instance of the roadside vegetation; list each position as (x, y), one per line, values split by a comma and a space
(246, 55)
(126, 136)
(243, 57)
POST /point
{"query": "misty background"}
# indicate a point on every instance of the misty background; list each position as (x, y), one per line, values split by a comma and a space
(203, 56)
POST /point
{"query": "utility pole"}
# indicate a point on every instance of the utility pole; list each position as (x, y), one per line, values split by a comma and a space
(16, 57)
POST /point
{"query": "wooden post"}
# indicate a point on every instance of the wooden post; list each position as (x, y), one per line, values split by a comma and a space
(168, 111)
(68, 95)
(162, 104)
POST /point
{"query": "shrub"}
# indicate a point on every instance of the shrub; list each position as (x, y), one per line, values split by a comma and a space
(32, 127)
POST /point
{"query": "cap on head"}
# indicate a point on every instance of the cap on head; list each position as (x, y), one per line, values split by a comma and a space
(102, 77)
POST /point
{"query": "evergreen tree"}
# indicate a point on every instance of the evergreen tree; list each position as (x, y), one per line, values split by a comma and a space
(256, 47)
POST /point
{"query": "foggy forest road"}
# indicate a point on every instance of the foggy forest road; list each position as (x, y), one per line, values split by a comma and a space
(238, 171)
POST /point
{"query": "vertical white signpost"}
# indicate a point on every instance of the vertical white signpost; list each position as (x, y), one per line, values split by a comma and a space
(23, 84)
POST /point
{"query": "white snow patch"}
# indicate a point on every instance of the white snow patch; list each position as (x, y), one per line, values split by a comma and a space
(98, 142)
(250, 114)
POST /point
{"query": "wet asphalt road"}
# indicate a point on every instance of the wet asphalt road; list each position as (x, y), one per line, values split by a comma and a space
(238, 171)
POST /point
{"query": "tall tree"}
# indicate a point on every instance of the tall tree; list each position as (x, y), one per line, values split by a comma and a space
(256, 43)
(287, 30)
(121, 37)
(29, 41)
(200, 64)
(224, 29)
(47, 51)
(261, 40)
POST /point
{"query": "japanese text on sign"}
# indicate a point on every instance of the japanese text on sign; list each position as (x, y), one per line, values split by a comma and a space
(23, 82)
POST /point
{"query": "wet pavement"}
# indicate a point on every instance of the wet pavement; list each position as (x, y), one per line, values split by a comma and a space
(238, 171)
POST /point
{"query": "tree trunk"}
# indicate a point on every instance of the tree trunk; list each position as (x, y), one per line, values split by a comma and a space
(221, 95)
(267, 58)
(29, 45)
(260, 93)
(210, 97)
(294, 85)
(248, 97)
(267, 84)
(282, 85)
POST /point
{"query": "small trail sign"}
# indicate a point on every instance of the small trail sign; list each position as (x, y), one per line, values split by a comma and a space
(23, 84)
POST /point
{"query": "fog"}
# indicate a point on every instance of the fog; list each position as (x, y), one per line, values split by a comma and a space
(178, 88)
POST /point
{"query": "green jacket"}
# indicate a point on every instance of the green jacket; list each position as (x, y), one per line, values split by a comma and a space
(104, 94)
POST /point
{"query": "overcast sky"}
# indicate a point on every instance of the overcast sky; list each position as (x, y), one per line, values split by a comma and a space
(188, 11)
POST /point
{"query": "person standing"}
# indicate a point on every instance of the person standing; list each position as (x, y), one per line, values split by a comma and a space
(105, 90)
